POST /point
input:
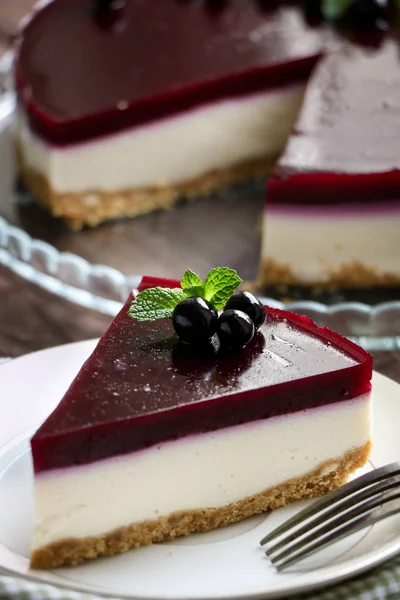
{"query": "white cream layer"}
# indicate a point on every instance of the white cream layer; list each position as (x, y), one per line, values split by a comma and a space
(165, 152)
(314, 243)
(208, 470)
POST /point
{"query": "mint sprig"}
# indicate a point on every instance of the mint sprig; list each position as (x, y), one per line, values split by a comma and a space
(159, 303)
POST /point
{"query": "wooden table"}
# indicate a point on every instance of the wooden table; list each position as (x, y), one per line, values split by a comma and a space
(32, 319)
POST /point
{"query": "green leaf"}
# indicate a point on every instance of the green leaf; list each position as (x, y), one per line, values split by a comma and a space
(196, 290)
(333, 9)
(219, 286)
(190, 279)
(192, 284)
(155, 303)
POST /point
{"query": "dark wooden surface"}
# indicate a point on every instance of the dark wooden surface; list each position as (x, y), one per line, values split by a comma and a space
(32, 319)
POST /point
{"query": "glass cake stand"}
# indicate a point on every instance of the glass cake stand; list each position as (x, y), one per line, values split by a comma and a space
(93, 267)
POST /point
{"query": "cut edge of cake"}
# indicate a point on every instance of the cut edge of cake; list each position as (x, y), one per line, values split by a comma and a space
(325, 478)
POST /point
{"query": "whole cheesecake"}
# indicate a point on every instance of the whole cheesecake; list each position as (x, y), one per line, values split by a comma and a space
(332, 214)
(150, 105)
(156, 439)
(140, 106)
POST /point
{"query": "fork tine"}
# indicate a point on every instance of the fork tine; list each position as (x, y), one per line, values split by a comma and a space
(379, 514)
(336, 511)
(333, 498)
(350, 516)
(335, 536)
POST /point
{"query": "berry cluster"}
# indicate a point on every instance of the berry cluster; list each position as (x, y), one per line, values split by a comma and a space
(196, 321)
(359, 14)
(356, 14)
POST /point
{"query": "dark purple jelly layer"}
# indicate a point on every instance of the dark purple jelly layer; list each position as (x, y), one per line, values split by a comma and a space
(79, 79)
(346, 143)
(140, 387)
(289, 187)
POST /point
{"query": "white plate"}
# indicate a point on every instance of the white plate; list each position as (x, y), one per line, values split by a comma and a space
(227, 563)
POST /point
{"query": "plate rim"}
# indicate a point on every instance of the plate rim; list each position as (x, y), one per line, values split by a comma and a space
(341, 572)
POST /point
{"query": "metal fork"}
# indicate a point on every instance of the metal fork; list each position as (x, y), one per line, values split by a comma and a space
(354, 506)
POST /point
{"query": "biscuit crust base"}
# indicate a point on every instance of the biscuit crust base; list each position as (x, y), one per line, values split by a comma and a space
(325, 478)
(348, 276)
(93, 207)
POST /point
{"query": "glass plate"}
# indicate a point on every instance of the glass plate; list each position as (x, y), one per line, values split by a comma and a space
(90, 267)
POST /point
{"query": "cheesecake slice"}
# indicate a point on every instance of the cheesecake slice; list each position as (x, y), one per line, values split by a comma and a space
(332, 216)
(141, 104)
(157, 439)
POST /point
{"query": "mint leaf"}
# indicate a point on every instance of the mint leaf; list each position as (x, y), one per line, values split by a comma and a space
(196, 290)
(333, 9)
(192, 284)
(155, 303)
(190, 279)
(219, 286)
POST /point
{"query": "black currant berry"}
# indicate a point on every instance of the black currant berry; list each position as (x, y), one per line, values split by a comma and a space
(215, 5)
(108, 13)
(268, 6)
(249, 304)
(194, 320)
(235, 329)
(368, 14)
(106, 5)
(312, 10)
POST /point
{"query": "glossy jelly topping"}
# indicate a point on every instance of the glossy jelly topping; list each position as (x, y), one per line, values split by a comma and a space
(346, 143)
(79, 78)
(140, 387)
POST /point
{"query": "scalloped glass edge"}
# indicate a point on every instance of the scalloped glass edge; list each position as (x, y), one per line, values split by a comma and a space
(104, 289)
